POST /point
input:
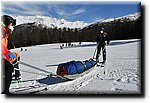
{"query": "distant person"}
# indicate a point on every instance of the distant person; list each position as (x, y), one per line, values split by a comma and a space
(101, 38)
(8, 57)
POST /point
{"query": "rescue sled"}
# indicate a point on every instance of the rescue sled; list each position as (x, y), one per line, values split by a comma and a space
(75, 69)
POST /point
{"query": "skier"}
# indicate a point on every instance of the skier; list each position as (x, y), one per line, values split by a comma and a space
(101, 38)
(8, 57)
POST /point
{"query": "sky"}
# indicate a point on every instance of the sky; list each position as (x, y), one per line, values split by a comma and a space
(71, 11)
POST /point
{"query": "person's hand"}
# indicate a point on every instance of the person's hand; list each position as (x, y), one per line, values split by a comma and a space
(11, 56)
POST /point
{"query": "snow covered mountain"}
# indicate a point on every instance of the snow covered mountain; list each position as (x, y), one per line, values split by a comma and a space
(129, 17)
(49, 22)
(61, 23)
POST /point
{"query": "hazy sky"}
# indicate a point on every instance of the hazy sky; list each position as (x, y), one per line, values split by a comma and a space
(71, 11)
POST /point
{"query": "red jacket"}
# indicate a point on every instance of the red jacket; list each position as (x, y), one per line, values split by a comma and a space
(4, 39)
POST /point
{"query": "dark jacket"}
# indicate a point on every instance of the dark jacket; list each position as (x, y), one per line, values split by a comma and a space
(101, 38)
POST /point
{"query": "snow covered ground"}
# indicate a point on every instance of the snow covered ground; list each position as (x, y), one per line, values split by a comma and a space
(121, 74)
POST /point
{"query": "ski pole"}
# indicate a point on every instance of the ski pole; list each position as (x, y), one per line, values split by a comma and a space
(31, 72)
(103, 49)
(34, 67)
(95, 51)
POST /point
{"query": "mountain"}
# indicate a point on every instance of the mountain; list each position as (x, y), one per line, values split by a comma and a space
(129, 17)
(119, 28)
(49, 22)
(61, 23)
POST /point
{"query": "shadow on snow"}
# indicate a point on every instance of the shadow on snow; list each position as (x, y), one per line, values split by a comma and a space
(51, 80)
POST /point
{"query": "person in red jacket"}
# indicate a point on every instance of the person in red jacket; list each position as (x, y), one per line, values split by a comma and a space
(7, 26)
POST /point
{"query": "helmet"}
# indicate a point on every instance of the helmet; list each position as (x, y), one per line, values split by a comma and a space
(6, 20)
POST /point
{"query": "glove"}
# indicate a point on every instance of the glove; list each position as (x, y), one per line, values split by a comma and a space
(11, 56)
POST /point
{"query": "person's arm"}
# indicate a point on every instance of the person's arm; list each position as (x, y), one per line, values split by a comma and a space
(8, 55)
(5, 50)
(107, 39)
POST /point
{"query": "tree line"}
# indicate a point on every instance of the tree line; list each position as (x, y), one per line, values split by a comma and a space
(34, 34)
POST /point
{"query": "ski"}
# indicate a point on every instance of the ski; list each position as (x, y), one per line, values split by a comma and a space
(100, 64)
(22, 81)
(40, 90)
(38, 86)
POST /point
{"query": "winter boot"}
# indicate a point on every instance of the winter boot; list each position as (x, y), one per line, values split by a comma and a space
(16, 74)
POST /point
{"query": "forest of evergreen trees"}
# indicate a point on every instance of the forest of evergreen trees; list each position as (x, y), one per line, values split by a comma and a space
(35, 34)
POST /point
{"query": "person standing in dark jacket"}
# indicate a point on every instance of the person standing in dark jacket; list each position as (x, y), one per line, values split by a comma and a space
(101, 38)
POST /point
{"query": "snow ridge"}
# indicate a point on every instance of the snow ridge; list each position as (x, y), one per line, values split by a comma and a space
(129, 17)
(61, 23)
(49, 22)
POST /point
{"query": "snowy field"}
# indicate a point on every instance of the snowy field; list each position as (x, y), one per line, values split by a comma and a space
(121, 74)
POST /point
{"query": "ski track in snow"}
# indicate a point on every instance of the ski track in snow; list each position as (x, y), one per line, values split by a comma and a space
(121, 73)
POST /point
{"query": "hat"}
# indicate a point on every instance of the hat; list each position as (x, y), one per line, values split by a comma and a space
(6, 20)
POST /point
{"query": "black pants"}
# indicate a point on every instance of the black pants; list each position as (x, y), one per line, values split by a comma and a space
(16, 68)
(99, 48)
(16, 71)
(6, 76)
